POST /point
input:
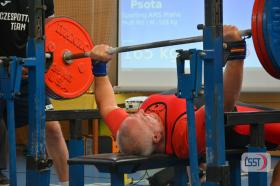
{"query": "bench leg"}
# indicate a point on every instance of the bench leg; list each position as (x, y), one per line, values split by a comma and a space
(257, 178)
(180, 175)
(117, 179)
(76, 172)
(235, 171)
(34, 177)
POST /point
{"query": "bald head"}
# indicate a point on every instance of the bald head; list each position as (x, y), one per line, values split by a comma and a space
(141, 134)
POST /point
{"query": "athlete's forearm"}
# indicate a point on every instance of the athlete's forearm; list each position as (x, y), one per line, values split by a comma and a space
(233, 76)
(104, 95)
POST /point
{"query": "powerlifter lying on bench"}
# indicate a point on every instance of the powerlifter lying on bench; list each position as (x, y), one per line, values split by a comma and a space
(160, 125)
(174, 172)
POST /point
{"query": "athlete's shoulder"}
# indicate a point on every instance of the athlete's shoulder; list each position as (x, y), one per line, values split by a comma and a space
(163, 97)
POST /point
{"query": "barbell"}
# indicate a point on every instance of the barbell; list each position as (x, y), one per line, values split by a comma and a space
(68, 56)
(67, 41)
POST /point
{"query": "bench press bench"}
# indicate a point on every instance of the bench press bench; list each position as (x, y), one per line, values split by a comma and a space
(118, 164)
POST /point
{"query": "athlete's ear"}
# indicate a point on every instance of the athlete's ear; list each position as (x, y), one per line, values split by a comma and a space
(157, 137)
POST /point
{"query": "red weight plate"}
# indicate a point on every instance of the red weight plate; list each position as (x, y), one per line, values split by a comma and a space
(258, 39)
(255, 33)
(273, 71)
(271, 34)
(68, 80)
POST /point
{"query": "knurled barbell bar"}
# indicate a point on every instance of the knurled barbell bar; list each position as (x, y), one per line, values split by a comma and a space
(68, 56)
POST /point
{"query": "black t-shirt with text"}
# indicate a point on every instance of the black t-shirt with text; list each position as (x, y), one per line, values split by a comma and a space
(14, 21)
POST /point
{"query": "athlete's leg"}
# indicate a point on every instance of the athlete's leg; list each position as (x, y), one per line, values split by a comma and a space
(57, 150)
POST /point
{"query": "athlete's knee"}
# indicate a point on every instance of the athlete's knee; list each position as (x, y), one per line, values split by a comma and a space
(53, 130)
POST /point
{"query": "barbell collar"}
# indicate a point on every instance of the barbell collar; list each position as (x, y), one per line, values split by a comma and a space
(48, 55)
(69, 56)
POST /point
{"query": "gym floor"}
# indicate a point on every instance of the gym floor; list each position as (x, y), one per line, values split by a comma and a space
(94, 178)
